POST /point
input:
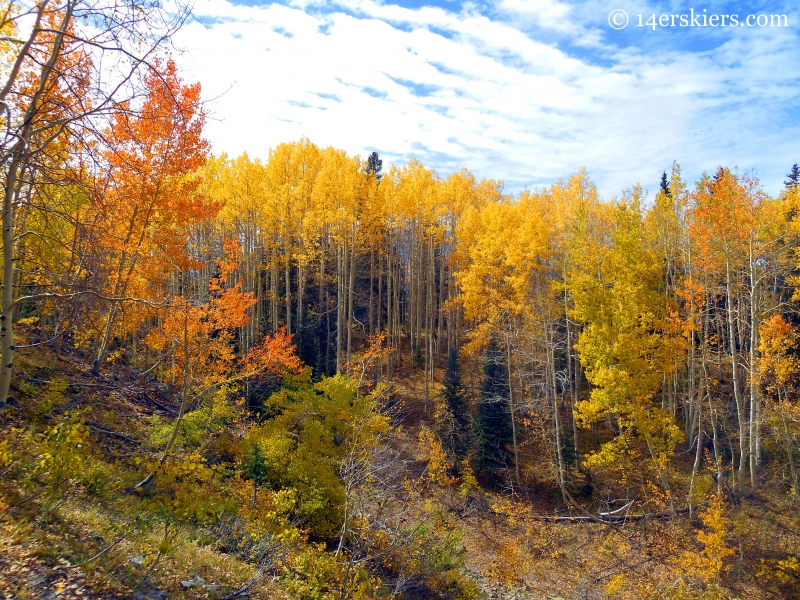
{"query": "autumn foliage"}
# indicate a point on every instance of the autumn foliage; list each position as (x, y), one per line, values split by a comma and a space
(337, 375)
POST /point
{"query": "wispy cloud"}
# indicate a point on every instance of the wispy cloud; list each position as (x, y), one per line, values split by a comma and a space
(524, 91)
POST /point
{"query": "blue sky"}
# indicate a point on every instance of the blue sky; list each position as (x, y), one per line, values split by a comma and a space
(527, 91)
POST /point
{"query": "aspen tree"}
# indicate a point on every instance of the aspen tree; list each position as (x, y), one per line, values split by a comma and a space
(53, 90)
(626, 344)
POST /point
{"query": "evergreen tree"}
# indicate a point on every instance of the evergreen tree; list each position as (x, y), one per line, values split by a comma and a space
(417, 360)
(375, 165)
(494, 417)
(256, 469)
(454, 425)
(665, 185)
(794, 178)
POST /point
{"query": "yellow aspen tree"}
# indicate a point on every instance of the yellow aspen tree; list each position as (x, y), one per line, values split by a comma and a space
(779, 376)
(626, 344)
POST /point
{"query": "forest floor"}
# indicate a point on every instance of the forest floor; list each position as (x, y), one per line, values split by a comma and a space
(90, 543)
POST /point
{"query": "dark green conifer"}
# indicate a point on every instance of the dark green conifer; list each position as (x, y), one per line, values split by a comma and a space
(665, 185)
(794, 177)
(256, 469)
(375, 166)
(494, 418)
(454, 428)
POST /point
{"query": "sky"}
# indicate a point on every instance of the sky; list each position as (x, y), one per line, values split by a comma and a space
(526, 91)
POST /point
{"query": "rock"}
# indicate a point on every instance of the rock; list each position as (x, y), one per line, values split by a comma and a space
(196, 582)
(137, 560)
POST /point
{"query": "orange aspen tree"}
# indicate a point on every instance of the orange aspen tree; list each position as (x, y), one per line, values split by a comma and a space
(148, 203)
(727, 221)
(198, 337)
(55, 60)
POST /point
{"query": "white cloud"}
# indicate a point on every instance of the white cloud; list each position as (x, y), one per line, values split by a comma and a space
(546, 13)
(468, 89)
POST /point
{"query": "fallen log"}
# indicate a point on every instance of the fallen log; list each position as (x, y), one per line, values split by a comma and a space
(121, 436)
(611, 519)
